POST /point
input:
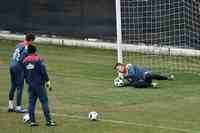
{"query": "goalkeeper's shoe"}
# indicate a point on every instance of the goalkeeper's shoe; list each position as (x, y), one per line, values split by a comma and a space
(171, 77)
(154, 85)
(50, 123)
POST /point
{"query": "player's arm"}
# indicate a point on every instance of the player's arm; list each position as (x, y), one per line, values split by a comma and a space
(45, 76)
(44, 72)
(23, 54)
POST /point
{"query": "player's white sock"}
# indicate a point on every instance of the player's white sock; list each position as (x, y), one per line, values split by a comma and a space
(10, 104)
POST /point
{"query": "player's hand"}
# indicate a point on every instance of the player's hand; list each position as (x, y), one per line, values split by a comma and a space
(48, 85)
(121, 76)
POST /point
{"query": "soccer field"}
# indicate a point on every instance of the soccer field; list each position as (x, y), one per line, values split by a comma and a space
(82, 82)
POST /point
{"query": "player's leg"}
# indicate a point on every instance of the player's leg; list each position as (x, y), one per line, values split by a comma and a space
(140, 84)
(19, 95)
(12, 90)
(159, 77)
(19, 107)
(20, 86)
(31, 107)
(148, 78)
(42, 94)
(131, 80)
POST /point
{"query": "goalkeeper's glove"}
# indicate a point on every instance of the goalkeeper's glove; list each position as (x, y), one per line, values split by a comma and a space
(120, 75)
(48, 85)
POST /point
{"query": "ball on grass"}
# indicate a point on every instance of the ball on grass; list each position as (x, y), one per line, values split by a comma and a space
(93, 116)
(26, 118)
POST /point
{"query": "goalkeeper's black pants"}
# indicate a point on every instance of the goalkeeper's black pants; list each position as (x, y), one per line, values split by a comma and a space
(159, 77)
(147, 81)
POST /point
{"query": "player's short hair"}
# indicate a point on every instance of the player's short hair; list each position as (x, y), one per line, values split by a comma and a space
(30, 37)
(117, 64)
(31, 49)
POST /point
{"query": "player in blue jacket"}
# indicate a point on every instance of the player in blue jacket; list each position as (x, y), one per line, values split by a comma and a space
(38, 81)
(17, 74)
(139, 77)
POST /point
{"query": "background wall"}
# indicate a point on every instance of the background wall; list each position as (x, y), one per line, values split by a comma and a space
(72, 18)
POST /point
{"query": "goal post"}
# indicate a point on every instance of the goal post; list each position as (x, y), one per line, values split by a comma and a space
(160, 35)
(119, 31)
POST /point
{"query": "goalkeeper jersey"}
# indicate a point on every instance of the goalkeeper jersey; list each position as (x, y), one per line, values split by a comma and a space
(136, 72)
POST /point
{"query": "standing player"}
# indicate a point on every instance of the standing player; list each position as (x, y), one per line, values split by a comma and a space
(37, 79)
(17, 74)
(139, 77)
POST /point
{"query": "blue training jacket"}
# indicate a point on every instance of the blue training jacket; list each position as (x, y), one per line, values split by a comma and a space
(35, 71)
(136, 72)
(19, 53)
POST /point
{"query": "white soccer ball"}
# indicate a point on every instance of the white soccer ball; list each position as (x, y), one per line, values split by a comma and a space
(171, 77)
(26, 118)
(93, 116)
(118, 82)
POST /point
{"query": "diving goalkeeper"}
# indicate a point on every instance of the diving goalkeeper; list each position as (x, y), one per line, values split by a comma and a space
(138, 77)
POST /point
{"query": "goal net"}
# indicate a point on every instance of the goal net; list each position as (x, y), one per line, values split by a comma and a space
(161, 35)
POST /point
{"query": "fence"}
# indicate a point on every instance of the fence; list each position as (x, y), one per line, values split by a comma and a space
(72, 18)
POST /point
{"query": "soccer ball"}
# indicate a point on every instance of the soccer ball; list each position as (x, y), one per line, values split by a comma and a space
(26, 118)
(118, 82)
(171, 77)
(93, 116)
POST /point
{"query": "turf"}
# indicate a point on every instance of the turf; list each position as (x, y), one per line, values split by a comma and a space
(82, 82)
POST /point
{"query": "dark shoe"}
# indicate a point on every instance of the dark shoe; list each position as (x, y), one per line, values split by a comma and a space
(33, 124)
(50, 123)
(11, 110)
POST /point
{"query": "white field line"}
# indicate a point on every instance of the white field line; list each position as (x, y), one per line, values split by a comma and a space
(130, 123)
(121, 122)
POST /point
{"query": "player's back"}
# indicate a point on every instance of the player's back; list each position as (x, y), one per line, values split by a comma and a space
(137, 72)
(35, 72)
(17, 54)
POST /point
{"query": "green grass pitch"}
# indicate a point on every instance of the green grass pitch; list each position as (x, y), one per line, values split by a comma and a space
(82, 82)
